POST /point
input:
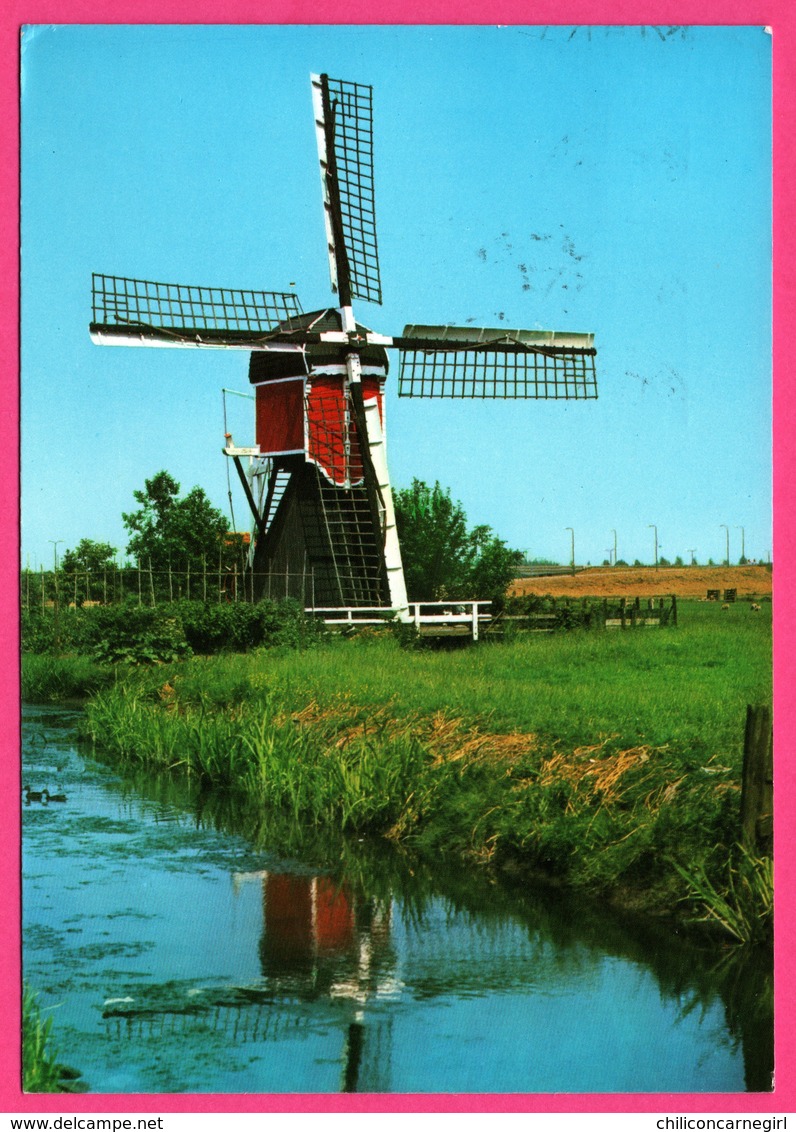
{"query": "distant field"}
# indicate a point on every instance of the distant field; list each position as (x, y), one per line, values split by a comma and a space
(645, 581)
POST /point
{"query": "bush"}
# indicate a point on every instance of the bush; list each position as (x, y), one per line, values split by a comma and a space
(51, 630)
(239, 626)
(143, 634)
(135, 634)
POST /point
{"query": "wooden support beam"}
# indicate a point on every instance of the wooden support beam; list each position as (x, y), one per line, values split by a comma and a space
(258, 518)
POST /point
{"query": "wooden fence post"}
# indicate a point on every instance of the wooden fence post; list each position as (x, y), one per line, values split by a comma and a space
(757, 787)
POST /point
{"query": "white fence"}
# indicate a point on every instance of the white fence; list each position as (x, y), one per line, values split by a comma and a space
(433, 618)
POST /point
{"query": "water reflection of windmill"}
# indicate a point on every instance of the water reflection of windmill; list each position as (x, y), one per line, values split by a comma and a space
(327, 967)
(317, 481)
(321, 938)
(335, 985)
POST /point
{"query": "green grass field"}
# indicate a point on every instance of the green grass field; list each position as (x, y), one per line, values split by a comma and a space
(687, 684)
(610, 761)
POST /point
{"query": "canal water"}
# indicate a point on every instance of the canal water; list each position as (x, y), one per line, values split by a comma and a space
(184, 946)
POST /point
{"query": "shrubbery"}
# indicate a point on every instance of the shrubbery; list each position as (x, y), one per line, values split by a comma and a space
(241, 626)
(142, 634)
(583, 613)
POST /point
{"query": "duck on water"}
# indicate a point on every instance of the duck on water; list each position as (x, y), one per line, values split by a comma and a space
(42, 795)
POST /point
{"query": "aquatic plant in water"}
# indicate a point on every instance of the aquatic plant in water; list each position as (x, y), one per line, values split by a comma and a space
(745, 908)
(41, 1072)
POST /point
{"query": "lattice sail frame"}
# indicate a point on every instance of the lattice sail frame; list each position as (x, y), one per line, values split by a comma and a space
(498, 375)
(464, 362)
(186, 309)
(350, 158)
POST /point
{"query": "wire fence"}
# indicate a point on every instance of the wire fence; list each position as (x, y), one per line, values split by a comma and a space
(48, 589)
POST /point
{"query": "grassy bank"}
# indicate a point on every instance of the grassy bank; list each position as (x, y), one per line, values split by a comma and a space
(608, 761)
(56, 679)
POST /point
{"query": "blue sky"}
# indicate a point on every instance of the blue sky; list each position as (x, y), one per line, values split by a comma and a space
(591, 179)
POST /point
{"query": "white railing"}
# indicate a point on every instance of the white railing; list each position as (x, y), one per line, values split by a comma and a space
(442, 614)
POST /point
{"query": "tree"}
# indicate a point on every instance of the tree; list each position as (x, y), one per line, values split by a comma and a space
(441, 557)
(88, 557)
(86, 570)
(494, 565)
(180, 534)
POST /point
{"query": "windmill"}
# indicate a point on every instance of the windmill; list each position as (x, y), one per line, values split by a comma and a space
(317, 480)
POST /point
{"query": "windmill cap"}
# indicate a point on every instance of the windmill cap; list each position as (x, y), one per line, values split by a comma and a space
(266, 365)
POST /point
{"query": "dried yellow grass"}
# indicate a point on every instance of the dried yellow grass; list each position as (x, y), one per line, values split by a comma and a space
(595, 773)
(592, 773)
(447, 738)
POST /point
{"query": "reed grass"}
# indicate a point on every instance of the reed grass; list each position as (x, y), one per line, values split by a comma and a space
(41, 1071)
(744, 906)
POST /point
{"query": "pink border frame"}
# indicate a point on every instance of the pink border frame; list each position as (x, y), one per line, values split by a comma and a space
(777, 14)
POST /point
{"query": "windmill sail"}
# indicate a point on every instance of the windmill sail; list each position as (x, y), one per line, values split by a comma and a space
(142, 312)
(344, 132)
(467, 362)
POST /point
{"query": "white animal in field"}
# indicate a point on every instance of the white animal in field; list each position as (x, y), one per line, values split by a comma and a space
(726, 605)
(755, 606)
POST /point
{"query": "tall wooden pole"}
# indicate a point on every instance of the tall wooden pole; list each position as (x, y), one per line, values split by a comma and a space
(757, 789)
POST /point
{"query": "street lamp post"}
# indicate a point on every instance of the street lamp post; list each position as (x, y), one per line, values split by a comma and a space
(56, 543)
(727, 534)
(654, 528)
(743, 545)
(572, 550)
(614, 534)
(692, 553)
